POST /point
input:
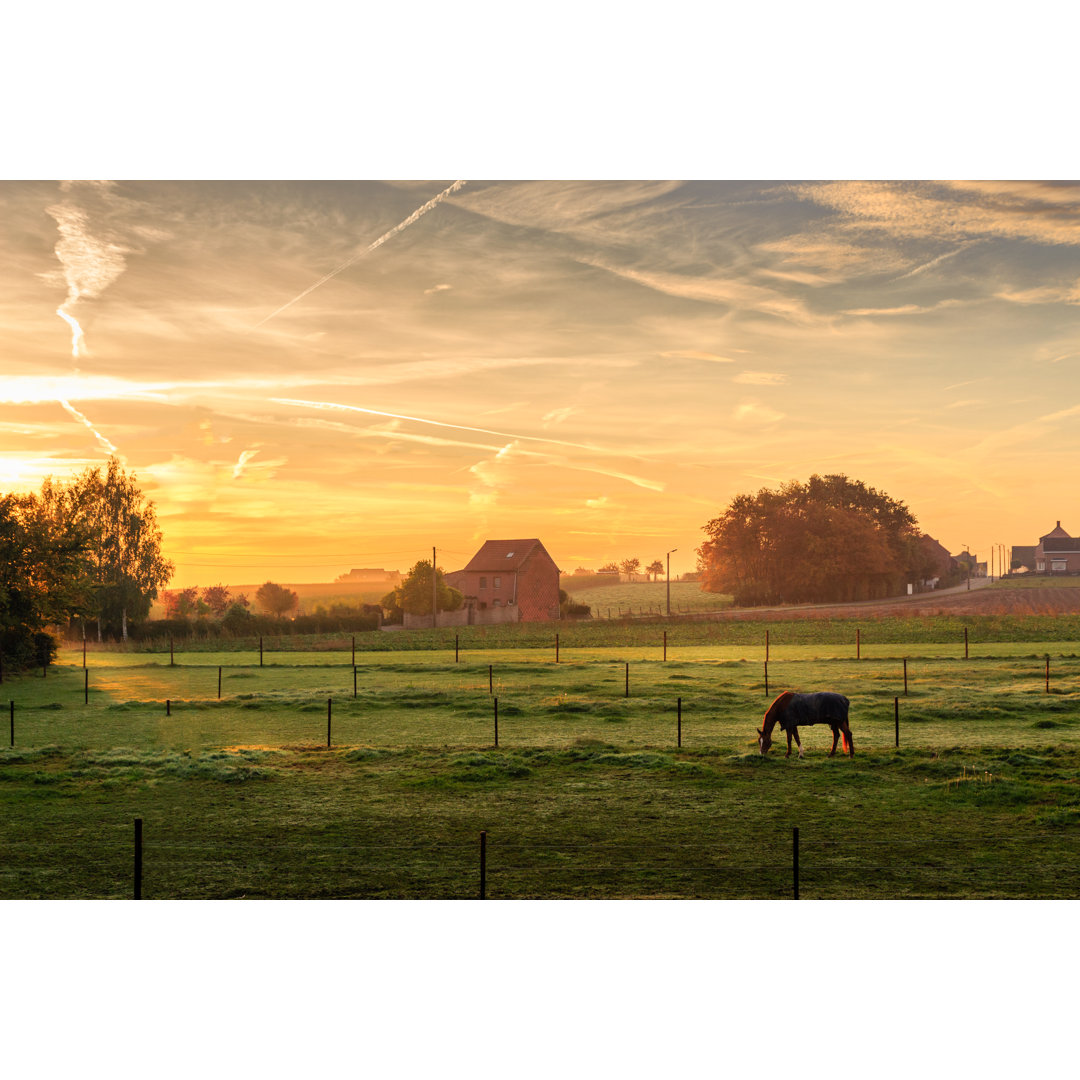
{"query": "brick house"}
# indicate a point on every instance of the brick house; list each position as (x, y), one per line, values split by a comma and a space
(1057, 553)
(517, 576)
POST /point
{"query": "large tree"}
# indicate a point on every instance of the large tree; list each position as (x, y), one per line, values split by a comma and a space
(42, 577)
(126, 563)
(413, 595)
(276, 599)
(830, 539)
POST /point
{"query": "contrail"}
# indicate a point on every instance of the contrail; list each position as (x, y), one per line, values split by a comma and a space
(457, 185)
(90, 263)
(83, 420)
(436, 423)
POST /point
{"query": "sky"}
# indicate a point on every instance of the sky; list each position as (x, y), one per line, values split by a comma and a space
(312, 376)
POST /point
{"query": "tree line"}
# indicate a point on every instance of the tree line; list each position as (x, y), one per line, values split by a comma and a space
(832, 539)
(89, 549)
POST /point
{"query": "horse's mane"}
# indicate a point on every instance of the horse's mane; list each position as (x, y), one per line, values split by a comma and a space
(781, 700)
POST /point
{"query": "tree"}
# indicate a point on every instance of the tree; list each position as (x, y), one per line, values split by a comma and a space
(217, 598)
(630, 566)
(276, 599)
(413, 595)
(609, 568)
(42, 577)
(831, 539)
(126, 564)
(656, 568)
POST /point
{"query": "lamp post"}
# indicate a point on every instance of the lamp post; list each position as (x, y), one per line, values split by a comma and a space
(669, 580)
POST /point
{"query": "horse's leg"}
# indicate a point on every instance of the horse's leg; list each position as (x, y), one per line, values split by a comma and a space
(787, 732)
(835, 737)
(798, 741)
(849, 742)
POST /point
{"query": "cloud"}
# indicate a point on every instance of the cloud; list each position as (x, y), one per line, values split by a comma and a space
(753, 413)
(557, 416)
(696, 354)
(760, 378)
(436, 289)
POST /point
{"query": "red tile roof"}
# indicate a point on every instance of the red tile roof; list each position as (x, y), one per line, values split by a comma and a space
(507, 555)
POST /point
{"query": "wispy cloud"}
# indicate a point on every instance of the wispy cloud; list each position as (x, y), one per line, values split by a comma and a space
(104, 442)
(415, 216)
(760, 378)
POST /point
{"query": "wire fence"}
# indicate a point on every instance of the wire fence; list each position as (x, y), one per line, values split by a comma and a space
(122, 862)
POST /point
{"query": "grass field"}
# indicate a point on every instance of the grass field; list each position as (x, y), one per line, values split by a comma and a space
(587, 794)
(644, 597)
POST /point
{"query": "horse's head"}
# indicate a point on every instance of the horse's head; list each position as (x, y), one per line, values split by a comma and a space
(773, 715)
(764, 741)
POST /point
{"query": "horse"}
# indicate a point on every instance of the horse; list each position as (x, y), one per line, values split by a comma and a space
(790, 710)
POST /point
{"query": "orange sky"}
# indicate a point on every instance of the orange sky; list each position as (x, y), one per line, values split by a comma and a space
(312, 376)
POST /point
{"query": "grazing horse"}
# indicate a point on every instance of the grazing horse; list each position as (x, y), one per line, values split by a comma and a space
(790, 710)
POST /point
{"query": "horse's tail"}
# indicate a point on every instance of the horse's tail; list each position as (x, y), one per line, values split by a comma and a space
(849, 742)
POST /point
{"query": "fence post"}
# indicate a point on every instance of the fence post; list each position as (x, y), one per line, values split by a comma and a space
(556, 648)
(329, 708)
(665, 645)
(679, 707)
(965, 642)
(896, 717)
(172, 661)
(795, 860)
(496, 721)
(86, 687)
(260, 651)
(457, 647)
(83, 648)
(483, 865)
(627, 678)
(858, 644)
(491, 679)
(905, 676)
(354, 681)
(219, 682)
(354, 651)
(138, 858)
(1048, 673)
(168, 707)
(13, 723)
(766, 678)
(766, 646)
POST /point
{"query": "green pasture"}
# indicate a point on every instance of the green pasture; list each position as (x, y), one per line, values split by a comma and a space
(642, 597)
(588, 793)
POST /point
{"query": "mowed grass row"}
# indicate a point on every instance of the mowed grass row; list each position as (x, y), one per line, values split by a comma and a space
(398, 703)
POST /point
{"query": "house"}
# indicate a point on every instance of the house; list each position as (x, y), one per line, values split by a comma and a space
(509, 581)
(1057, 553)
(1022, 558)
(391, 579)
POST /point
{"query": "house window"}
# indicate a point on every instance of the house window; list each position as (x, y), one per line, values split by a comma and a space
(1040, 565)
(497, 584)
(1059, 564)
(483, 583)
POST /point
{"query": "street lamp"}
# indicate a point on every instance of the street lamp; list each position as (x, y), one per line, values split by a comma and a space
(669, 580)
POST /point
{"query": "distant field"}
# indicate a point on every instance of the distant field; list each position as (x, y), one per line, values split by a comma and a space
(647, 597)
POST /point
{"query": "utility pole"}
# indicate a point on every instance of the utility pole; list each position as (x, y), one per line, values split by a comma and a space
(669, 579)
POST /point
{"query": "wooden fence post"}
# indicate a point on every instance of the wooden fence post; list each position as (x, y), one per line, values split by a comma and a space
(496, 700)
(766, 646)
(896, 717)
(86, 687)
(556, 648)
(172, 660)
(457, 647)
(766, 678)
(219, 682)
(329, 710)
(795, 860)
(679, 707)
(905, 676)
(665, 646)
(491, 679)
(483, 865)
(168, 707)
(354, 651)
(138, 859)
(260, 651)
(354, 681)
(1048, 673)
(965, 642)
(627, 678)
(13, 723)
(858, 644)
